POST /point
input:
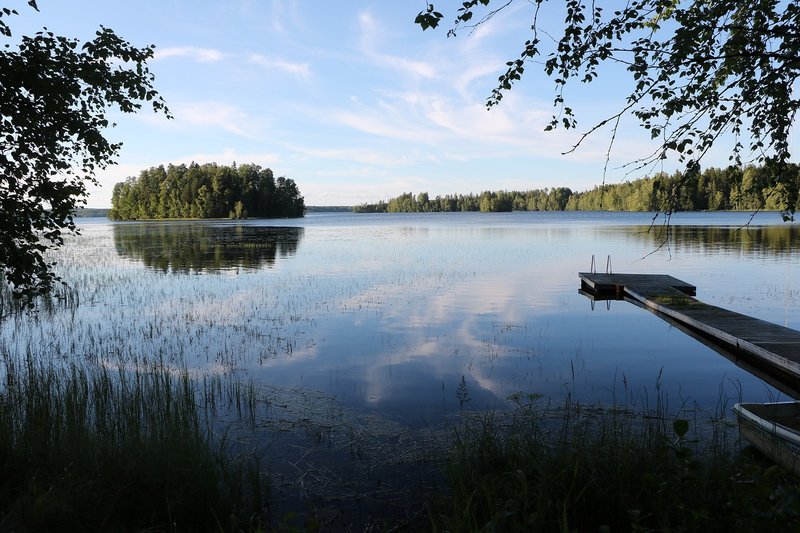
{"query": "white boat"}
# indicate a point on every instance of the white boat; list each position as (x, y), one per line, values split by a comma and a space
(773, 429)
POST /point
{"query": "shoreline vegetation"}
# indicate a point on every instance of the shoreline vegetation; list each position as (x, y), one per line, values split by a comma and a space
(714, 189)
(95, 448)
(615, 468)
(213, 191)
(206, 191)
(101, 448)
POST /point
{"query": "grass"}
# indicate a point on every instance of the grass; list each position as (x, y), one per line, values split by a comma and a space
(95, 449)
(90, 448)
(100, 448)
(609, 470)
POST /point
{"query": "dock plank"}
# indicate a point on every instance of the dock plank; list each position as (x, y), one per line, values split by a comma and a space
(610, 282)
(770, 343)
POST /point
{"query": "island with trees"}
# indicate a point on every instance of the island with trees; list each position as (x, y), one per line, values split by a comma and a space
(206, 191)
(714, 189)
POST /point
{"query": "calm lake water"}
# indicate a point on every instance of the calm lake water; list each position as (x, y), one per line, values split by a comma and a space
(412, 317)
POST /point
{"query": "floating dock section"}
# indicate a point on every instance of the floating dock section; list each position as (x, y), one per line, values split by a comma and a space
(764, 343)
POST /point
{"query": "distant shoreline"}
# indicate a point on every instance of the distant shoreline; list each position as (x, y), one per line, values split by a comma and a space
(103, 212)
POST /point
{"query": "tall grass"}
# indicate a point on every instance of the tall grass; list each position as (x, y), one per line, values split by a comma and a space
(609, 470)
(96, 449)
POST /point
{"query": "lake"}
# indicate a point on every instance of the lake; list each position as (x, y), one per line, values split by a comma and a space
(364, 339)
(414, 317)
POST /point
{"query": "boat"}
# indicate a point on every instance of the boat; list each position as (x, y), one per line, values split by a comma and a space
(773, 429)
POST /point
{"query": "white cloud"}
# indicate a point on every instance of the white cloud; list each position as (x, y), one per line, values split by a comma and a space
(373, 122)
(362, 156)
(203, 55)
(369, 29)
(302, 70)
(214, 114)
(440, 121)
(473, 71)
(284, 13)
(100, 194)
(508, 19)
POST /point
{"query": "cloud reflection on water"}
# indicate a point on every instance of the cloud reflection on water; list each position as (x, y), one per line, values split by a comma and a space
(388, 313)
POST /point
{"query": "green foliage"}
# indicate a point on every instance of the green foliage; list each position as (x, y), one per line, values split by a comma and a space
(55, 94)
(697, 70)
(379, 207)
(428, 18)
(754, 188)
(487, 201)
(206, 191)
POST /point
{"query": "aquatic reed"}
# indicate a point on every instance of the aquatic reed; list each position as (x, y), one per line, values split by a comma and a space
(90, 448)
(574, 468)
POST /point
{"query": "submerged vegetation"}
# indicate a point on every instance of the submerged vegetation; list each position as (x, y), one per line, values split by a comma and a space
(713, 189)
(206, 191)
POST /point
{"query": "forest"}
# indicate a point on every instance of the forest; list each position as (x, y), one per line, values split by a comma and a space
(713, 189)
(206, 191)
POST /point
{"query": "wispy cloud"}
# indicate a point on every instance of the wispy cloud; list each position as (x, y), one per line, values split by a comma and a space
(373, 122)
(464, 80)
(203, 55)
(284, 13)
(302, 70)
(215, 114)
(361, 156)
(369, 29)
(508, 19)
(437, 119)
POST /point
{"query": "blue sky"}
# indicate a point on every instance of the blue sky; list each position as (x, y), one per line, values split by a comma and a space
(350, 99)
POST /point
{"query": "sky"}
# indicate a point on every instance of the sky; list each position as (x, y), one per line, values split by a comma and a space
(350, 99)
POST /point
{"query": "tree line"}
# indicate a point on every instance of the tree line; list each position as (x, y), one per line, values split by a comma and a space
(713, 189)
(206, 191)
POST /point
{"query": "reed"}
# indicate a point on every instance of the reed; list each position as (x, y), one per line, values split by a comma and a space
(98, 449)
(580, 469)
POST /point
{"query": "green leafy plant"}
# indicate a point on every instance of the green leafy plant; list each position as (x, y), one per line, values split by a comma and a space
(55, 94)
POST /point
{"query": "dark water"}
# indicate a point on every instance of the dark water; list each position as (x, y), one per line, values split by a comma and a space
(387, 313)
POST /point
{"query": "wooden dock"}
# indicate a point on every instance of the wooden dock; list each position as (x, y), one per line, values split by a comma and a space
(765, 343)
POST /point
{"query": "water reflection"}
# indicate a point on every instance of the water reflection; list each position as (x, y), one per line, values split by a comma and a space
(388, 316)
(784, 381)
(196, 247)
(769, 241)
